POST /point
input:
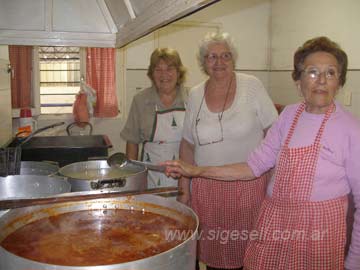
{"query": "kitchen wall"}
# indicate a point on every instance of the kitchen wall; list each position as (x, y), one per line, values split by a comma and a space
(266, 32)
(247, 21)
(241, 18)
(293, 22)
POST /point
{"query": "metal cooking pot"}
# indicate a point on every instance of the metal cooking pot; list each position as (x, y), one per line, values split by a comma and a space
(37, 168)
(30, 186)
(97, 174)
(178, 258)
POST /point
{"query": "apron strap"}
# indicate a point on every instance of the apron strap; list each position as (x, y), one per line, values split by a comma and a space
(298, 113)
(322, 127)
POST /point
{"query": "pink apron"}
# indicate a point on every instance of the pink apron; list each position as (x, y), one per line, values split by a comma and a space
(294, 232)
(226, 210)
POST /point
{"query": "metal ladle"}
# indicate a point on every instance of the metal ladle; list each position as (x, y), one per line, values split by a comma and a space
(120, 160)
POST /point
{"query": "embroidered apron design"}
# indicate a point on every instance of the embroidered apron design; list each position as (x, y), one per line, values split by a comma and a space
(164, 144)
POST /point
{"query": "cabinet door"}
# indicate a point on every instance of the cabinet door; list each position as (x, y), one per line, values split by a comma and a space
(5, 103)
(185, 38)
(138, 52)
(136, 81)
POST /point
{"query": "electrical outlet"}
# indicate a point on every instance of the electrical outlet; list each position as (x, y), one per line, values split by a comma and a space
(347, 98)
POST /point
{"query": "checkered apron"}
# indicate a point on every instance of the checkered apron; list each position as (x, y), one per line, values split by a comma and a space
(293, 232)
(226, 210)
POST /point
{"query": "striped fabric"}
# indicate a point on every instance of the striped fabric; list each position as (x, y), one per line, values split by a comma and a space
(295, 233)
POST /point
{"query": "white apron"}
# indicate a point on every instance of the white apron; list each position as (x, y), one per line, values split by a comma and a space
(164, 144)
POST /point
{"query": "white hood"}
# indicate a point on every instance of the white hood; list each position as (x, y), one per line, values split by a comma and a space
(87, 23)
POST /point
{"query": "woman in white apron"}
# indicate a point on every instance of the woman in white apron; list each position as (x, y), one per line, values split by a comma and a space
(156, 115)
(164, 144)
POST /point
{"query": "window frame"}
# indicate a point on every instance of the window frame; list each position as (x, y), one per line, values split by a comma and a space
(36, 79)
(120, 79)
(55, 70)
(35, 84)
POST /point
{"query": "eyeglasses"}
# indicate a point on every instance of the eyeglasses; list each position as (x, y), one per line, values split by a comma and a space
(220, 116)
(314, 73)
(197, 120)
(212, 57)
(202, 143)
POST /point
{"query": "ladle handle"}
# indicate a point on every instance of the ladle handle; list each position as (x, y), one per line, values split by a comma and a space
(79, 196)
(148, 165)
(119, 160)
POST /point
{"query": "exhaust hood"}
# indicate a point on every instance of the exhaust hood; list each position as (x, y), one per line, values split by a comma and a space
(87, 23)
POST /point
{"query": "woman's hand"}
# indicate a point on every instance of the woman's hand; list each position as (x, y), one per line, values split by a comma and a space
(178, 168)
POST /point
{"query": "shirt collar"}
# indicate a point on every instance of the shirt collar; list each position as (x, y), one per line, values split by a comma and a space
(155, 98)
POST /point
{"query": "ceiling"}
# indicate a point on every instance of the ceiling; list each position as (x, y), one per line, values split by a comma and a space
(89, 23)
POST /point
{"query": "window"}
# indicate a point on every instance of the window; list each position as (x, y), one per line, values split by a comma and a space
(54, 76)
(59, 78)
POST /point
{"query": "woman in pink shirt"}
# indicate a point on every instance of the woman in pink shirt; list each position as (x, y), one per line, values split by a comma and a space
(315, 149)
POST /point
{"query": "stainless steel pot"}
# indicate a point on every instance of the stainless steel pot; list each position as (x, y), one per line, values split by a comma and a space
(97, 174)
(37, 168)
(178, 258)
(30, 186)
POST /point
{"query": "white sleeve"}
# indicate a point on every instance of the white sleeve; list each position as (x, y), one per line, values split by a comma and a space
(265, 107)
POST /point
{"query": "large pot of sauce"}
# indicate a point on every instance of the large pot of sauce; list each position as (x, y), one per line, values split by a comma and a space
(149, 212)
(97, 174)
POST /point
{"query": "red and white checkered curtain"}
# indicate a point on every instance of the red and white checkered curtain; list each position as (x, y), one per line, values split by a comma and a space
(100, 75)
(21, 63)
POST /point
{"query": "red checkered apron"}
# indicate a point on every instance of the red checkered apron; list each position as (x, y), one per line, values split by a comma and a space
(226, 209)
(293, 232)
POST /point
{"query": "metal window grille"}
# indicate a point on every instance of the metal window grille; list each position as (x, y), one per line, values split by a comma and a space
(59, 78)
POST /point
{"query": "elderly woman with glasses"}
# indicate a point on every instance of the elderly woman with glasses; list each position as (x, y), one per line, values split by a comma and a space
(315, 149)
(226, 118)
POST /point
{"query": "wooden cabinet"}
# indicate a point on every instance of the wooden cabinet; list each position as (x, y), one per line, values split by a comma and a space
(137, 54)
(5, 99)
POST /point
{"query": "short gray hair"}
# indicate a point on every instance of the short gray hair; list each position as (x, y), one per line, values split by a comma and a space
(215, 38)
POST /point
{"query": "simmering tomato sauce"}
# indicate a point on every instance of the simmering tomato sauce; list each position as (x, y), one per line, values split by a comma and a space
(96, 237)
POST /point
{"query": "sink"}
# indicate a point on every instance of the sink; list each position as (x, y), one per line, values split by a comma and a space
(64, 149)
